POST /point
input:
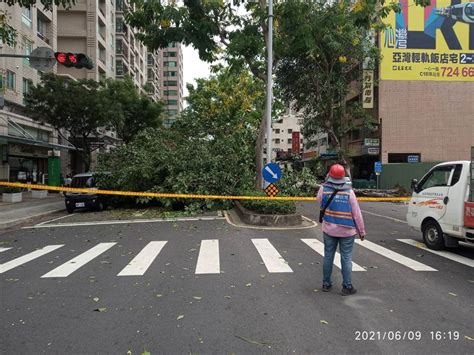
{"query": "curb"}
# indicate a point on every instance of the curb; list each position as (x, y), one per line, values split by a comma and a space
(267, 220)
(12, 223)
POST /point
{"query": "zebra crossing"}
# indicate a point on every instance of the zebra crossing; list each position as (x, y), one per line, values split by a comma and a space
(208, 261)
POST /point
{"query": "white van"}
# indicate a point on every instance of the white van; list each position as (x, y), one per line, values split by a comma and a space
(442, 205)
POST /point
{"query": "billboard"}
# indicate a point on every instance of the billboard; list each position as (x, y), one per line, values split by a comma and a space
(295, 143)
(431, 43)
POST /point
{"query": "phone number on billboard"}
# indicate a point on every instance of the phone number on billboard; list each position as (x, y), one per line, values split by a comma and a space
(451, 72)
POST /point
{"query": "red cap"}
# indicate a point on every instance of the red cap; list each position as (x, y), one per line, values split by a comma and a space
(337, 171)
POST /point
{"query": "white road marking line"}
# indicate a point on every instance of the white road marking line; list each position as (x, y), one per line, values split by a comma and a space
(54, 219)
(28, 257)
(4, 249)
(318, 247)
(208, 260)
(391, 218)
(132, 221)
(270, 256)
(72, 265)
(410, 263)
(141, 262)
(444, 254)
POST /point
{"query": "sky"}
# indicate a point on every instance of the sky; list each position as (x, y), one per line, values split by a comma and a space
(193, 67)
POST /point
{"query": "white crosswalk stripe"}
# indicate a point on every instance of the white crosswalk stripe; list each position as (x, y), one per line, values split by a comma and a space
(208, 260)
(318, 247)
(444, 254)
(270, 256)
(140, 263)
(72, 265)
(4, 249)
(28, 257)
(403, 260)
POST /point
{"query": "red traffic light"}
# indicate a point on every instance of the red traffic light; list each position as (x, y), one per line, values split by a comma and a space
(60, 57)
(72, 58)
(76, 60)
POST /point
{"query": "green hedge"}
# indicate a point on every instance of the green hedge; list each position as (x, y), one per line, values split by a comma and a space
(267, 206)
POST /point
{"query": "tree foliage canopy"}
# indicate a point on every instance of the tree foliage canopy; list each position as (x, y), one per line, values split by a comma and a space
(82, 106)
(209, 150)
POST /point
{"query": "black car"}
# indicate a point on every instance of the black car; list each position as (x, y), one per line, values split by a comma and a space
(84, 200)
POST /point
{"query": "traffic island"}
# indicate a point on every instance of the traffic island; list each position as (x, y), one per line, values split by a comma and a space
(252, 218)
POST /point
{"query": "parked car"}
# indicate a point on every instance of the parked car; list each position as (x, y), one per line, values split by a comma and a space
(76, 200)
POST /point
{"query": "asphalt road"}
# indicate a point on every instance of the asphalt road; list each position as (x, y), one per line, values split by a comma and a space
(243, 308)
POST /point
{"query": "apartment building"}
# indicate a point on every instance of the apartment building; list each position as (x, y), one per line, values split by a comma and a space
(287, 139)
(29, 151)
(172, 81)
(132, 55)
(154, 75)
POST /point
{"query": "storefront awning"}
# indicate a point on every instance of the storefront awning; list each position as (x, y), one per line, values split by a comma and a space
(4, 139)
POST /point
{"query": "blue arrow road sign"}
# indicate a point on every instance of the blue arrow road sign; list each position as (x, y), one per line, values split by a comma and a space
(378, 167)
(271, 172)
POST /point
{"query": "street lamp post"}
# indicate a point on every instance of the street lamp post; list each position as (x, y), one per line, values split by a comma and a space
(269, 80)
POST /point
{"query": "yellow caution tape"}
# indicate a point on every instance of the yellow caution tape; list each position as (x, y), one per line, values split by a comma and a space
(169, 195)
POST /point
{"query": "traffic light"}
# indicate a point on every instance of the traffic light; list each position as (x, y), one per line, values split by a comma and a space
(74, 60)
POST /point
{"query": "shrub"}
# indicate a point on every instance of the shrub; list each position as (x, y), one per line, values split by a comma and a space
(298, 183)
(267, 206)
(10, 190)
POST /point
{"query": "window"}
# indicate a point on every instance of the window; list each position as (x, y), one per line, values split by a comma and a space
(456, 175)
(169, 54)
(170, 92)
(150, 59)
(11, 80)
(119, 46)
(437, 177)
(290, 130)
(170, 83)
(172, 102)
(170, 64)
(277, 141)
(27, 84)
(119, 25)
(119, 67)
(289, 151)
(289, 141)
(26, 16)
(170, 73)
(172, 112)
(1, 82)
(119, 5)
(171, 45)
(277, 130)
(28, 46)
(42, 29)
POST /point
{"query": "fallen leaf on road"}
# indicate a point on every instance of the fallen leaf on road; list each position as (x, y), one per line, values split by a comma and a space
(248, 285)
(323, 321)
(96, 299)
(453, 294)
(197, 298)
(145, 353)
(262, 276)
(159, 295)
(468, 338)
(228, 297)
(471, 281)
(374, 267)
(180, 317)
(102, 309)
(315, 290)
(300, 264)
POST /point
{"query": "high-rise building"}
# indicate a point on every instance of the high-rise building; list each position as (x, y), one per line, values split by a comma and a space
(154, 75)
(29, 151)
(131, 54)
(88, 27)
(172, 81)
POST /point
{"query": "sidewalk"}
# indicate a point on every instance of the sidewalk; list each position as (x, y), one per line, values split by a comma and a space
(14, 213)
